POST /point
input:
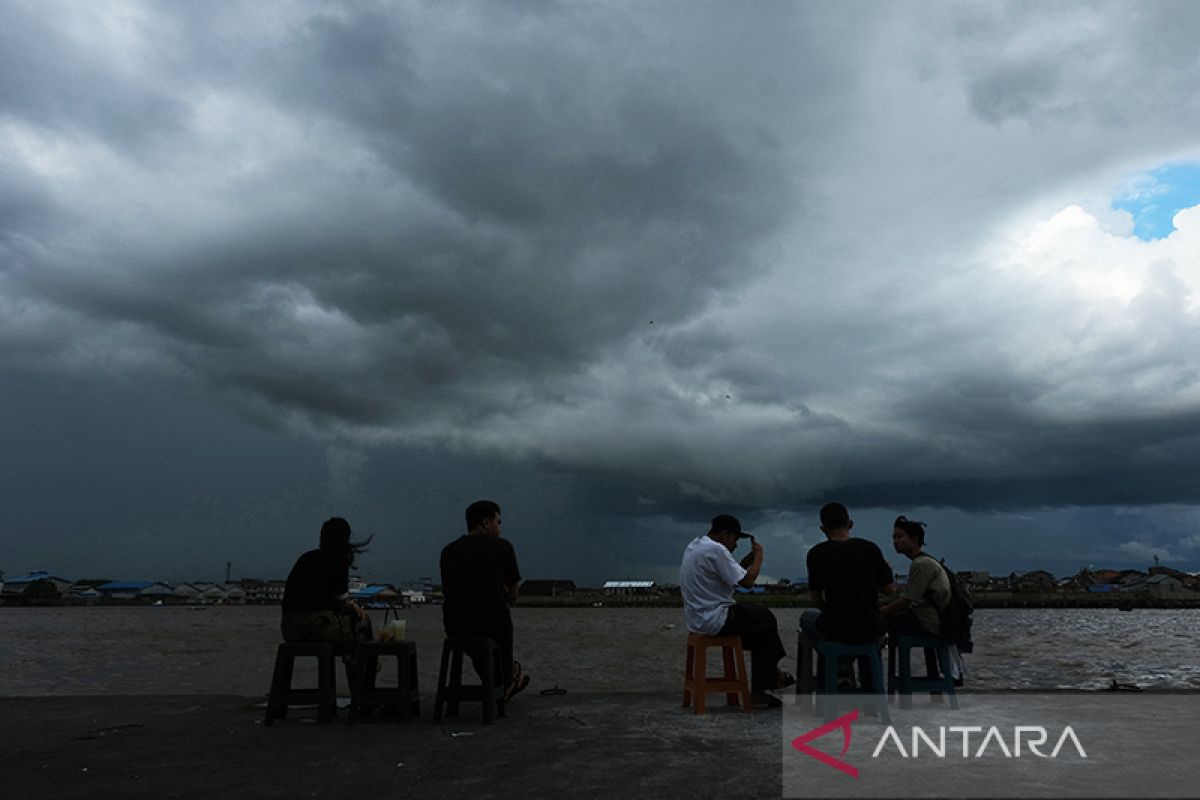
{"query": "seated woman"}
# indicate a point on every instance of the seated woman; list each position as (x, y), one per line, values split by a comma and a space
(316, 602)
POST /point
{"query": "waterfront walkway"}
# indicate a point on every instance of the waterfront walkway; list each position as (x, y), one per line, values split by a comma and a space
(206, 746)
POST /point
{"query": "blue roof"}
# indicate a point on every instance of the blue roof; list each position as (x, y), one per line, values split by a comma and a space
(125, 586)
(36, 575)
(368, 591)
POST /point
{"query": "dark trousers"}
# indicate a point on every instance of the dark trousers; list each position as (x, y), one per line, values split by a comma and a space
(757, 627)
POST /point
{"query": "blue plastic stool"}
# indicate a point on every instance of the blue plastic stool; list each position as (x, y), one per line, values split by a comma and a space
(937, 669)
(870, 664)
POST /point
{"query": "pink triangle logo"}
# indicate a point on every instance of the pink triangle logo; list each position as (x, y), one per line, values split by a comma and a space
(841, 723)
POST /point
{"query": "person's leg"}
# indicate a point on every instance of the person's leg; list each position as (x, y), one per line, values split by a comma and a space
(906, 623)
(759, 631)
(504, 637)
(808, 624)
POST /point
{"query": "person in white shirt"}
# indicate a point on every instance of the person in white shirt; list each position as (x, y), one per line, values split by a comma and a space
(707, 578)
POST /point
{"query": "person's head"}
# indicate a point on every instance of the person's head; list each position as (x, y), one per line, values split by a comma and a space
(335, 538)
(726, 529)
(835, 519)
(483, 516)
(908, 536)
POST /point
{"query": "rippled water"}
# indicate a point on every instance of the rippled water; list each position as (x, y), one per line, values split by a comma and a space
(173, 650)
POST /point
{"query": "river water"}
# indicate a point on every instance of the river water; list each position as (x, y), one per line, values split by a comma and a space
(230, 650)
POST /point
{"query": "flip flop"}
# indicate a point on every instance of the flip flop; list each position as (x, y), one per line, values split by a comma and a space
(517, 688)
(786, 679)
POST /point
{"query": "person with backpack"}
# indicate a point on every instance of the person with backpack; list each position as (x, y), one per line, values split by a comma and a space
(918, 611)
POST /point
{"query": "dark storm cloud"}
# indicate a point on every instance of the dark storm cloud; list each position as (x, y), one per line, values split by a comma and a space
(691, 256)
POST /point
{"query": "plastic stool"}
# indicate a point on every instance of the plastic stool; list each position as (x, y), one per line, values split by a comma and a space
(283, 695)
(451, 691)
(733, 682)
(937, 669)
(404, 696)
(870, 664)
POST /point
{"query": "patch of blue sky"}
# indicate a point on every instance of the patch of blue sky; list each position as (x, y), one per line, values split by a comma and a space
(1153, 198)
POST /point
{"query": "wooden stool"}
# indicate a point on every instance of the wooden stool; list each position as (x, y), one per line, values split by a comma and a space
(733, 682)
(283, 695)
(403, 697)
(450, 688)
(937, 669)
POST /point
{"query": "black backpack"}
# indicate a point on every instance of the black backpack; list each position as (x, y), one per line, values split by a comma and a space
(956, 618)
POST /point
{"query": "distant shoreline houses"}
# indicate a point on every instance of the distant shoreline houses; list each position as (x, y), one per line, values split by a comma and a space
(45, 588)
(1158, 583)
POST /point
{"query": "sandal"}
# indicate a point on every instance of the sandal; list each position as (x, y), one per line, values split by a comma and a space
(786, 679)
(518, 686)
(519, 681)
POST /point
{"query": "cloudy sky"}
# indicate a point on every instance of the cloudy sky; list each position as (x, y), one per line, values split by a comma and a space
(618, 266)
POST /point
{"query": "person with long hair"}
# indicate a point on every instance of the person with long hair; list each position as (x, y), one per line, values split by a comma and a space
(316, 600)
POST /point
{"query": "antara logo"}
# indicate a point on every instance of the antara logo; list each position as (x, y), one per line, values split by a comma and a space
(1034, 738)
(842, 723)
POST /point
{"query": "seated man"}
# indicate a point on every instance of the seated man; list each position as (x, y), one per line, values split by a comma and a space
(480, 579)
(316, 602)
(927, 592)
(707, 579)
(845, 575)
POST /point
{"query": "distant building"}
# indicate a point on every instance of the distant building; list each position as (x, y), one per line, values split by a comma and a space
(17, 586)
(261, 592)
(629, 587)
(548, 588)
(1159, 586)
(1037, 580)
(156, 593)
(186, 593)
(414, 597)
(123, 591)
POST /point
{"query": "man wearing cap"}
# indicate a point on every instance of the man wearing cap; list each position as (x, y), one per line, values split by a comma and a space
(707, 579)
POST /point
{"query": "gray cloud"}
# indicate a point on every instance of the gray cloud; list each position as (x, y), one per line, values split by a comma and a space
(689, 257)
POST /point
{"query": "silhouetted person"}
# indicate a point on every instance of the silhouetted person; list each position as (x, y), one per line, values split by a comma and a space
(316, 601)
(707, 578)
(845, 575)
(480, 578)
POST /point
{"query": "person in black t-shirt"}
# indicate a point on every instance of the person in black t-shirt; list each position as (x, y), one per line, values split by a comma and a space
(480, 578)
(845, 575)
(316, 602)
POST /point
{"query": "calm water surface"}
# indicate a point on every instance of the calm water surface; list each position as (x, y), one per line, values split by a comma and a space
(230, 650)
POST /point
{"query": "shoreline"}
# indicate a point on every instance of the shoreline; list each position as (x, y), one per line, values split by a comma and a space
(990, 600)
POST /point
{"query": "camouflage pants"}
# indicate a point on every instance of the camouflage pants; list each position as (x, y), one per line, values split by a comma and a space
(343, 631)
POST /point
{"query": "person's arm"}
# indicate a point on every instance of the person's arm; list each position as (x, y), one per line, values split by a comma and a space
(344, 605)
(895, 607)
(512, 573)
(755, 557)
(914, 589)
(814, 583)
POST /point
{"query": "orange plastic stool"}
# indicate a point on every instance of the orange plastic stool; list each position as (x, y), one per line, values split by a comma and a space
(733, 683)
